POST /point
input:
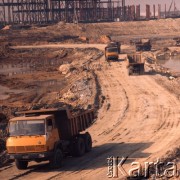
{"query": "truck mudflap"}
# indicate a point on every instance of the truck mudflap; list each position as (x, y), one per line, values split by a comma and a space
(31, 156)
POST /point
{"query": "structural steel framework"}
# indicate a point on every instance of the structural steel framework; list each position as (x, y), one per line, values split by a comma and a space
(50, 11)
(46, 11)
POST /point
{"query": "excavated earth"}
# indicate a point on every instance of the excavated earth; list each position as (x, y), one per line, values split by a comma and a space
(137, 116)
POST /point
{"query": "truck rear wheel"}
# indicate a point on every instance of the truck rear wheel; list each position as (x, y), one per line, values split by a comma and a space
(56, 161)
(141, 70)
(88, 142)
(21, 164)
(79, 146)
(130, 71)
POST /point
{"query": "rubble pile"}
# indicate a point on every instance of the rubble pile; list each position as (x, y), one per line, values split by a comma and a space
(79, 93)
(105, 39)
(65, 68)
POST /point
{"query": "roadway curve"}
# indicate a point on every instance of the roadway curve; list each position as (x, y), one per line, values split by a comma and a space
(139, 119)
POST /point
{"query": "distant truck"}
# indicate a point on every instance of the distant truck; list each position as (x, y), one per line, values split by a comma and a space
(49, 134)
(112, 50)
(177, 41)
(143, 45)
(135, 64)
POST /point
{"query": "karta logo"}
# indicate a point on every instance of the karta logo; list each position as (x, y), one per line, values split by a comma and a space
(158, 168)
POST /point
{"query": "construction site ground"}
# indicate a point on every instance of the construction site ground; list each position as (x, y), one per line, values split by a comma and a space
(137, 116)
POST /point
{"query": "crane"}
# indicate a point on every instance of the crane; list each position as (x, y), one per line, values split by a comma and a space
(170, 7)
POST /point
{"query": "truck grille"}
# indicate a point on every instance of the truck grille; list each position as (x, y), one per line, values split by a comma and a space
(30, 148)
(11, 149)
(24, 149)
(19, 148)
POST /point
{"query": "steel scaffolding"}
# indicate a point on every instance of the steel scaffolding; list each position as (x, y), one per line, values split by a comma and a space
(47, 11)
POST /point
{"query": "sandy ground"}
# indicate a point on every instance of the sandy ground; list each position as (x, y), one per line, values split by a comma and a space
(139, 118)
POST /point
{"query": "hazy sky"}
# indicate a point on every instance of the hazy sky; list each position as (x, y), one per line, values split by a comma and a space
(156, 2)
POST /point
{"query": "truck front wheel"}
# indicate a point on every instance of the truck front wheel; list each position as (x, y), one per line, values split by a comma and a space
(56, 160)
(21, 164)
(79, 146)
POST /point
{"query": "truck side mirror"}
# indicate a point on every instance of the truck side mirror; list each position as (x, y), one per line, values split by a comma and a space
(6, 132)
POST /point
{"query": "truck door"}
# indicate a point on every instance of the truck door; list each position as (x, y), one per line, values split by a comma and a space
(52, 133)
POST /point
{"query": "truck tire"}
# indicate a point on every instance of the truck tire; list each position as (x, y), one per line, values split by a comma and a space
(56, 160)
(141, 70)
(21, 164)
(130, 71)
(88, 142)
(79, 146)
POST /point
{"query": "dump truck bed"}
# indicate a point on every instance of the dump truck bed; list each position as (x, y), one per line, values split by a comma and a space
(143, 45)
(135, 64)
(135, 58)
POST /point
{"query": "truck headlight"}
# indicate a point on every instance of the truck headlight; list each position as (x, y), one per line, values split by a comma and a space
(41, 155)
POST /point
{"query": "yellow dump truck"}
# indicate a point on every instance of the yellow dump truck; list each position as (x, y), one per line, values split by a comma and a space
(143, 45)
(49, 134)
(112, 50)
(177, 41)
(135, 64)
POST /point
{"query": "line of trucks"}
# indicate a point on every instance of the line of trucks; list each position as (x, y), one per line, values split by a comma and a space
(52, 134)
(48, 135)
(135, 62)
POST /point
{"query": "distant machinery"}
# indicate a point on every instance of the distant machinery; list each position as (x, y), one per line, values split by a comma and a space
(170, 13)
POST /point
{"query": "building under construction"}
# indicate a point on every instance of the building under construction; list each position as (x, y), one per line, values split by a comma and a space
(47, 11)
(51, 11)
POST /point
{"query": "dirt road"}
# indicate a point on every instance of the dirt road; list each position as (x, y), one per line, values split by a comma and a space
(139, 119)
(99, 46)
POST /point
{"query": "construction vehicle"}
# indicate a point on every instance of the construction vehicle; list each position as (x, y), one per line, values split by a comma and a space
(177, 41)
(135, 64)
(115, 44)
(143, 45)
(48, 134)
(112, 50)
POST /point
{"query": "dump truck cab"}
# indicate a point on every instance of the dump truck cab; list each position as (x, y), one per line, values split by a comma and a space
(112, 50)
(32, 139)
(32, 134)
(41, 135)
(115, 44)
(111, 53)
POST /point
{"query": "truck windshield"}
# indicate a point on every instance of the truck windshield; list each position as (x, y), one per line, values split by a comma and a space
(29, 127)
(112, 50)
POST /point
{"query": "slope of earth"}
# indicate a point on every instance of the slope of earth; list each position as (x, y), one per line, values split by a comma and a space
(73, 33)
(32, 76)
